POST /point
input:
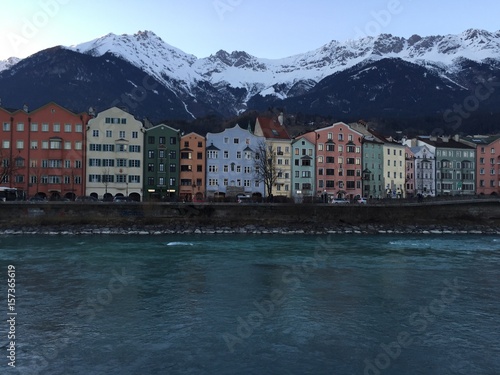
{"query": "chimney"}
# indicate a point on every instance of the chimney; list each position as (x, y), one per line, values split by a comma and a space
(456, 138)
(280, 118)
(25, 108)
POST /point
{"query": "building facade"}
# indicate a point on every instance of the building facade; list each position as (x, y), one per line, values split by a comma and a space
(43, 151)
(279, 142)
(230, 164)
(487, 164)
(192, 164)
(303, 170)
(425, 171)
(161, 163)
(455, 165)
(115, 141)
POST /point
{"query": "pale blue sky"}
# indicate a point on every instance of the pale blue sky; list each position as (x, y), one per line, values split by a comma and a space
(263, 28)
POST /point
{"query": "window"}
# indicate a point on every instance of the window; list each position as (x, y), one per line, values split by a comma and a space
(108, 148)
(34, 145)
(67, 128)
(122, 134)
(134, 163)
(199, 155)
(199, 168)
(45, 127)
(238, 154)
(226, 155)
(108, 162)
(109, 133)
(20, 145)
(67, 145)
(34, 127)
(186, 168)
(135, 134)
(173, 140)
(95, 132)
(213, 168)
(173, 167)
(306, 174)
(213, 182)
(212, 154)
(186, 155)
(330, 147)
(55, 144)
(173, 155)
(6, 127)
(134, 179)
(121, 162)
(134, 148)
(236, 140)
(121, 178)
(161, 140)
(56, 128)
(151, 140)
(78, 163)
(151, 154)
(122, 148)
(94, 162)
(78, 128)
(20, 127)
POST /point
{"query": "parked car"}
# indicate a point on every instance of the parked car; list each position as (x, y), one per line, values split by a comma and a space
(340, 201)
(86, 198)
(244, 198)
(122, 199)
(361, 200)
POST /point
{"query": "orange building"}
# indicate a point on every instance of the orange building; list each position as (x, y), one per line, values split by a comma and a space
(44, 150)
(192, 162)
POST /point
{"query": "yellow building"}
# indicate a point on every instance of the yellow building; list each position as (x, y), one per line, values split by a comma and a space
(278, 140)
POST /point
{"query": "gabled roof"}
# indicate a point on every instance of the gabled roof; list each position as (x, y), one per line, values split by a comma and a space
(271, 129)
(212, 148)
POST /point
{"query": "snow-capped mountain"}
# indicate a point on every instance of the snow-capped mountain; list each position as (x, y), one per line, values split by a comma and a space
(7, 64)
(355, 77)
(258, 75)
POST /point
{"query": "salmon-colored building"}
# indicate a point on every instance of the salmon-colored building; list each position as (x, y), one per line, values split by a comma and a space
(45, 151)
(338, 160)
(487, 163)
(192, 163)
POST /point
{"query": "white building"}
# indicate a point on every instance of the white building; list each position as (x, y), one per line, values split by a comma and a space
(114, 162)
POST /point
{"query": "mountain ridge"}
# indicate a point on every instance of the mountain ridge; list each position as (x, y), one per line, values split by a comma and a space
(229, 83)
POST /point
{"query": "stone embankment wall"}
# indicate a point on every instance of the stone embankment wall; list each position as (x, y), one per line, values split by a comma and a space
(183, 217)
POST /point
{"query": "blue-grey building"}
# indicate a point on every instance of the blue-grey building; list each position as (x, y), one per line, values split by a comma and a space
(231, 163)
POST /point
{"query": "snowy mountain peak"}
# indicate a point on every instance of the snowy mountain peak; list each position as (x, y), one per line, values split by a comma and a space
(7, 64)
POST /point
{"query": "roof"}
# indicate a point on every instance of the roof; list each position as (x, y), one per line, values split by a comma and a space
(212, 147)
(449, 143)
(271, 128)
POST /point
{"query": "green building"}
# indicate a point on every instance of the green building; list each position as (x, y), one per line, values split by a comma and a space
(161, 163)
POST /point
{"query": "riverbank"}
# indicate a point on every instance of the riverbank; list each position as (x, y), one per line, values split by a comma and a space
(474, 217)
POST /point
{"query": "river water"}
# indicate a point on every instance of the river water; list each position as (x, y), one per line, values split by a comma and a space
(244, 304)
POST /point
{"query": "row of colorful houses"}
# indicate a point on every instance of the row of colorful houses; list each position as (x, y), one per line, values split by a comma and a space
(54, 153)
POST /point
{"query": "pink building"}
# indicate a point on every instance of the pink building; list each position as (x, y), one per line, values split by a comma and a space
(338, 160)
(487, 164)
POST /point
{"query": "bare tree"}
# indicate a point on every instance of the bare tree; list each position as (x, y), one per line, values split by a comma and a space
(265, 166)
